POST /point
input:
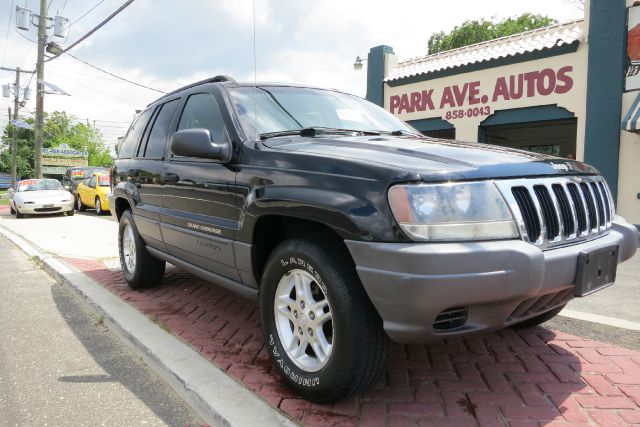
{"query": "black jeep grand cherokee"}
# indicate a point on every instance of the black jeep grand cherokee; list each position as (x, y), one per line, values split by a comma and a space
(350, 227)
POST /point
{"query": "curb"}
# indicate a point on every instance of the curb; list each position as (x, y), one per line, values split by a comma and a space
(216, 397)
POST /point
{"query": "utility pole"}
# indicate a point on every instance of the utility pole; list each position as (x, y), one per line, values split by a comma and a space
(14, 143)
(24, 22)
(42, 38)
(16, 108)
(14, 157)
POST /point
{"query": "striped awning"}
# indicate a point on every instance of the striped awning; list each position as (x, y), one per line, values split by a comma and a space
(631, 120)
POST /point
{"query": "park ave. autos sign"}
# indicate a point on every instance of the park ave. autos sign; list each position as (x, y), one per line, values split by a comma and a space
(479, 97)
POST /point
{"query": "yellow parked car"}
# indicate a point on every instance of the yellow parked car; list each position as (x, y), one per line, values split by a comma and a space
(94, 192)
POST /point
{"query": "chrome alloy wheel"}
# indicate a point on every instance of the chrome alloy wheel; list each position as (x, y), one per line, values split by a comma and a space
(129, 248)
(304, 320)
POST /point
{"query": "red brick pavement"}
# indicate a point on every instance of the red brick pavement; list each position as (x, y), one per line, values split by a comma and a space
(533, 377)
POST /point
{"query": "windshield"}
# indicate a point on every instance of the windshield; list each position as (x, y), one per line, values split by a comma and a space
(39, 185)
(279, 109)
(103, 181)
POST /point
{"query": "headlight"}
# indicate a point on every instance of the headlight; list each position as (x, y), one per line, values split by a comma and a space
(454, 211)
(108, 195)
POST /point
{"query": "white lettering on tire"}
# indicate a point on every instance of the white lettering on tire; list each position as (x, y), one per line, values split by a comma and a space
(305, 382)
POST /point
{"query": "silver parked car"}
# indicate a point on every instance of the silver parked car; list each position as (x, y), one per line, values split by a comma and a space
(40, 196)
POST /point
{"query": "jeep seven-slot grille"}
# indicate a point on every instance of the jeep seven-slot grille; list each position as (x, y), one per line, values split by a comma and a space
(556, 211)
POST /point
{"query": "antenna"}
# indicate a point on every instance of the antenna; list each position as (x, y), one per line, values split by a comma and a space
(255, 66)
(255, 73)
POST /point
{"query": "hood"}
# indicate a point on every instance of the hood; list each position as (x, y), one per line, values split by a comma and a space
(434, 159)
(56, 195)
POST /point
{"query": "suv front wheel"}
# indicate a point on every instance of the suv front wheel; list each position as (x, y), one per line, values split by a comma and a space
(141, 270)
(320, 328)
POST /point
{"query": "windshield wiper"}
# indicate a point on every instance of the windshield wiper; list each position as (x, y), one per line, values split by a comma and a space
(397, 133)
(313, 131)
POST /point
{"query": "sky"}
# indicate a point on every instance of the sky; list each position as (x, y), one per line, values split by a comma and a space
(166, 44)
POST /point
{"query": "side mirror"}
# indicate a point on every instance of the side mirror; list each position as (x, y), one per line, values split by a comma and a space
(197, 143)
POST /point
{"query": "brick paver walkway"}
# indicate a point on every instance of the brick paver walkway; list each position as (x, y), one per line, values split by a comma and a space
(533, 377)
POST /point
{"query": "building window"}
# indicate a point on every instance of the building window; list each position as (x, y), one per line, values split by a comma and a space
(441, 134)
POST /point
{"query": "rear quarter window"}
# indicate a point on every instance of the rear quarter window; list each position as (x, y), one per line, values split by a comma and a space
(130, 143)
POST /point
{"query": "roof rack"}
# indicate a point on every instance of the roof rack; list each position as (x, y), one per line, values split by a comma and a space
(217, 79)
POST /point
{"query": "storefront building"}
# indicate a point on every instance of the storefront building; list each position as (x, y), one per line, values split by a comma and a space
(558, 90)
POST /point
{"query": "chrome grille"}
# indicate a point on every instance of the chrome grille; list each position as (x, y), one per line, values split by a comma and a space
(561, 210)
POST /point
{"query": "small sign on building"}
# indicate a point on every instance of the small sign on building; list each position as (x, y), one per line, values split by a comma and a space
(56, 160)
(633, 50)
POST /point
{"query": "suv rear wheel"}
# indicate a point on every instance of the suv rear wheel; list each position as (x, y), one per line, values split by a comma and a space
(141, 270)
(321, 330)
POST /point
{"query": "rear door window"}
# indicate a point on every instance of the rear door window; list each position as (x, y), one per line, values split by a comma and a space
(130, 144)
(158, 135)
(92, 182)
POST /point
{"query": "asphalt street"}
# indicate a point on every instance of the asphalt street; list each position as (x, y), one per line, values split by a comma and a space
(60, 366)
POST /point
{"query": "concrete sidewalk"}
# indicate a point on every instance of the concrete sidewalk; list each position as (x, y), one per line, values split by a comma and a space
(60, 366)
(533, 377)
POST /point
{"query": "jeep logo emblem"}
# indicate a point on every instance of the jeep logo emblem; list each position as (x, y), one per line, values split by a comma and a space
(560, 166)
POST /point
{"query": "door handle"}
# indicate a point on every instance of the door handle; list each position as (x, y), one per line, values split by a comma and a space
(169, 178)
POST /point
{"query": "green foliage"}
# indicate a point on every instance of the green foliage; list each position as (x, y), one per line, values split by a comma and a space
(58, 128)
(471, 32)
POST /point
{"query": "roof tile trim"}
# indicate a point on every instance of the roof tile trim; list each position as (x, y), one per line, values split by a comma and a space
(517, 44)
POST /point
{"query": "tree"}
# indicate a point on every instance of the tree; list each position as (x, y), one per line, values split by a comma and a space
(471, 32)
(25, 151)
(58, 128)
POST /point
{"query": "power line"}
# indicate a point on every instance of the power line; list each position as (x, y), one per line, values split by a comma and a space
(115, 75)
(6, 38)
(86, 13)
(94, 76)
(97, 90)
(25, 37)
(105, 121)
(96, 28)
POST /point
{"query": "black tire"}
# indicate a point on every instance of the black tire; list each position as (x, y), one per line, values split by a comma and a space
(98, 204)
(13, 211)
(79, 205)
(360, 347)
(538, 320)
(18, 214)
(147, 271)
(72, 212)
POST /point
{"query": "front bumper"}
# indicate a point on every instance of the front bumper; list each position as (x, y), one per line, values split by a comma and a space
(411, 284)
(44, 208)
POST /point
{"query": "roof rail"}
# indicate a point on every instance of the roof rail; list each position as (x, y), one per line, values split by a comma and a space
(217, 79)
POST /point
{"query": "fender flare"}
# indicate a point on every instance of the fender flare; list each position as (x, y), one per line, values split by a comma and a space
(349, 216)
